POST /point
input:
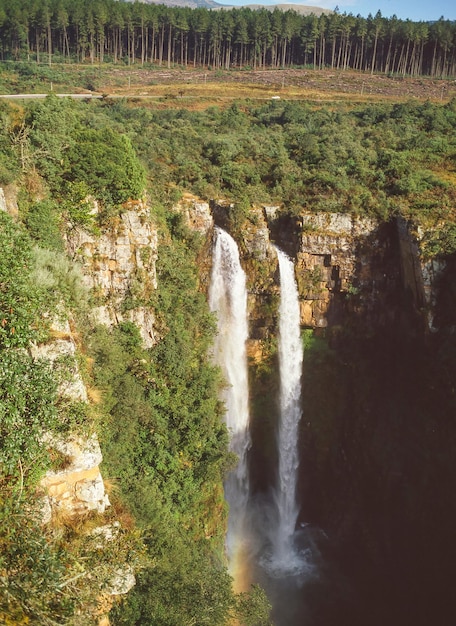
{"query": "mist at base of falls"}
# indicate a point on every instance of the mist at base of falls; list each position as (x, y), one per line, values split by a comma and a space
(310, 589)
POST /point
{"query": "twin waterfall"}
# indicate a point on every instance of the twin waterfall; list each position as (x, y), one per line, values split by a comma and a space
(284, 557)
(228, 298)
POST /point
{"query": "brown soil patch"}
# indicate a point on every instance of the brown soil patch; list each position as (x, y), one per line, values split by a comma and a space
(324, 85)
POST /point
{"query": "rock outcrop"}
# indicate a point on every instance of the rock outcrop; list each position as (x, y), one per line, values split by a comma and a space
(119, 268)
(3, 206)
(77, 487)
(8, 200)
(328, 261)
(197, 214)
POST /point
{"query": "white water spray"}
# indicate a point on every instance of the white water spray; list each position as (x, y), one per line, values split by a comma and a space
(284, 558)
(228, 298)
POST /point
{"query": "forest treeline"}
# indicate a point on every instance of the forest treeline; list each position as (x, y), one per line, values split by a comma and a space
(111, 31)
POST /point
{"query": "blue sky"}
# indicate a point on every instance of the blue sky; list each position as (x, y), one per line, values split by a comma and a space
(412, 9)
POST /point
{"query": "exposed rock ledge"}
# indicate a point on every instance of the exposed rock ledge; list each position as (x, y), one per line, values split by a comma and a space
(8, 200)
(78, 487)
(328, 259)
(119, 264)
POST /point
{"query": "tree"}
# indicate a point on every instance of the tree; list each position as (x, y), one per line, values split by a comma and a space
(51, 124)
(376, 25)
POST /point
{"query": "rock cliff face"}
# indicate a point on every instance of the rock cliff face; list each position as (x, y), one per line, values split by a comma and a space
(197, 214)
(333, 254)
(343, 263)
(3, 206)
(328, 262)
(78, 487)
(119, 268)
(8, 200)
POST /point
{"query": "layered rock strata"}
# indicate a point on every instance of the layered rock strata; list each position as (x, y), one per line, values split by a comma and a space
(119, 268)
(77, 487)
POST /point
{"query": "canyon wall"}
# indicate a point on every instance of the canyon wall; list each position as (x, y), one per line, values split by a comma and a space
(119, 268)
(376, 434)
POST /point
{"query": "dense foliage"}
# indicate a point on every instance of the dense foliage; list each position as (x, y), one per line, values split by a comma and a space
(132, 32)
(107, 163)
(388, 158)
(20, 299)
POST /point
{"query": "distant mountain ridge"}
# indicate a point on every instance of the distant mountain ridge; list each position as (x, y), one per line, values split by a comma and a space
(192, 4)
(303, 9)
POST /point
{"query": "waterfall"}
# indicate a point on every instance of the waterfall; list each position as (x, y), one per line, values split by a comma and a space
(228, 298)
(285, 558)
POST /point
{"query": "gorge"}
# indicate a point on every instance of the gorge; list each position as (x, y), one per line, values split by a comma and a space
(365, 297)
(103, 283)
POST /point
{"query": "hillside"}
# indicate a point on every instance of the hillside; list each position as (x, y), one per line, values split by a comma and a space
(190, 4)
(302, 9)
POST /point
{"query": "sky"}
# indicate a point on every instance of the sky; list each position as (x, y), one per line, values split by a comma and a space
(415, 10)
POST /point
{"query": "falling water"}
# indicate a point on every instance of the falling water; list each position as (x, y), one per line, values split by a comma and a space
(228, 298)
(285, 558)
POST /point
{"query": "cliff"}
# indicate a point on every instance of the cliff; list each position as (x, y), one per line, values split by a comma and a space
(119, 268)
(78, 487)
(73, 511)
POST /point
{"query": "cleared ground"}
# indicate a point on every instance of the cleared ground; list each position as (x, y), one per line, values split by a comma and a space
(324, 85)
(198, 88)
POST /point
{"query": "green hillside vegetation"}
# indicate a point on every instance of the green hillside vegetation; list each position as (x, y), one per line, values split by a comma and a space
(380, 160)
(159, 421)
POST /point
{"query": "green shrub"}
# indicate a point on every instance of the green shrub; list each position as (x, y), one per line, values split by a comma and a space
(33, 584)
(27, 411)
(50, 124)
(21, 299)
(77, 204)
(43, 224)
(106, 162)
(60, 280)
